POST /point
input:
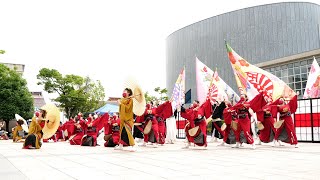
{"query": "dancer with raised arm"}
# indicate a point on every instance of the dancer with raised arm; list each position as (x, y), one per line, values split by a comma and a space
(126, 120)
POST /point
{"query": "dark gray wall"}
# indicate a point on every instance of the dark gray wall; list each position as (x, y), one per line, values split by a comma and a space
(258, 34)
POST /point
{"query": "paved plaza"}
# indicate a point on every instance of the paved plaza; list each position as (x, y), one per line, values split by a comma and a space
(62, 161)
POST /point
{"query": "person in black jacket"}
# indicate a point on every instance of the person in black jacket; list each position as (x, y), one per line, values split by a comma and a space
(217, 117)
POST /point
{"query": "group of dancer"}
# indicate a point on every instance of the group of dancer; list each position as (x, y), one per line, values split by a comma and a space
(236, 128)
(121, 129)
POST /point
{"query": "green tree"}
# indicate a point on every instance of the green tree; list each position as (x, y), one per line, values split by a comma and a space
(75, 93)
(160, 95)
(163, 94)
(15, 97)
(2, 51)
(149, 98)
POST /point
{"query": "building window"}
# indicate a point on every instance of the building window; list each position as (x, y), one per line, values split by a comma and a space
(295, 74)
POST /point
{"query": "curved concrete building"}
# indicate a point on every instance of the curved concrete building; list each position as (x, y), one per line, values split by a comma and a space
(281, 38)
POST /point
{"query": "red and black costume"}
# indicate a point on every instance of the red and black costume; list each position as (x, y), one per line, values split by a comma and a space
(92, 130)
(195, 116)
(286, 133)
(138, 129)
(229, 115)
(78, 132)
(68, 128)
(216, 124)
(266, 116)
(112, 128)
(244, 122)
(163, 112)
(150, 115)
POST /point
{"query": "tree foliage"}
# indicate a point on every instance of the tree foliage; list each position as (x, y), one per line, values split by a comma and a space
(2, 51)
(15, 97)
(159, 97)
(75, 93)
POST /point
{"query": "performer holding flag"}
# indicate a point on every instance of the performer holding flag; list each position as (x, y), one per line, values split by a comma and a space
(251, 80)
(216, 95)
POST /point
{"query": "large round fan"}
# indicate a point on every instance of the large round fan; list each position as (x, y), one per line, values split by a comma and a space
(52, 120)
(139, 101)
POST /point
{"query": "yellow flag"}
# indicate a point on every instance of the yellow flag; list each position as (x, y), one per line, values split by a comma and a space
(254, 80)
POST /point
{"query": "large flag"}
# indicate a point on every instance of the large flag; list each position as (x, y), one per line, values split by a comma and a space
(178, 94)
(252, 79)
(215, 93)
(203, 80)
(313, 84)
(232, 95)
(209, 83)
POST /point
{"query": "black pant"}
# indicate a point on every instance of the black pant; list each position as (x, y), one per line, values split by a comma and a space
(137, 133)
(215, 130)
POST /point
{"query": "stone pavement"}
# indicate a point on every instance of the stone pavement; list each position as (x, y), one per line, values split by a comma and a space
(62, 161)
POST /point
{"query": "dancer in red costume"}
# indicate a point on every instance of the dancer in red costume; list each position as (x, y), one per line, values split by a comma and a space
(79, 130)
(157, 115)
(265, 116)
(59, 134)
(92, 130)
(229, 115)
(138, 128)
(150, 117)
(196, 117)
(112, 135)
(68, 128)
(286, 132)
(163, 112)
(243, 118)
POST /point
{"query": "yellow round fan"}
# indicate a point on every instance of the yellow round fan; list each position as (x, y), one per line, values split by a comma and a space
(52, 120)
(260, 126)
(223, 127)
(278, 124)
(139, 102)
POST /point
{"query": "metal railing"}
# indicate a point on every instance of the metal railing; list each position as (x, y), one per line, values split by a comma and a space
(307, 120)
(181, 123)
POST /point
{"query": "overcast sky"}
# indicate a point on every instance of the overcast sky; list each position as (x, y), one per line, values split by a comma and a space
(106, 40)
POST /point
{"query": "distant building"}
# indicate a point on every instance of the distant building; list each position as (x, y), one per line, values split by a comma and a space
(38, 100)
(17, 67)
(113, 100)
(281, 38)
